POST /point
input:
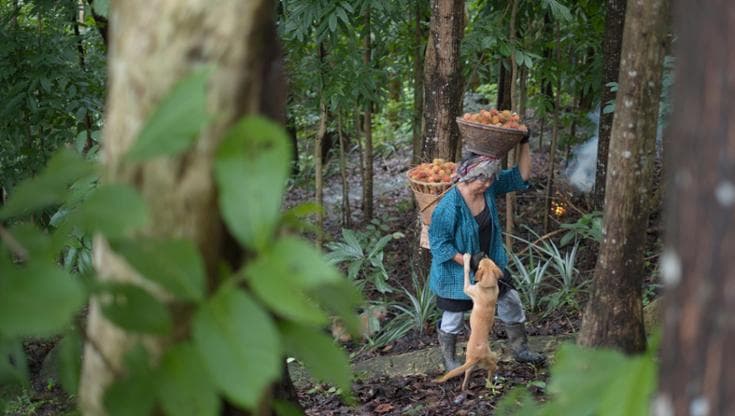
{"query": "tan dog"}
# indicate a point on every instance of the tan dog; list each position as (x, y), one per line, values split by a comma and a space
(484, 294)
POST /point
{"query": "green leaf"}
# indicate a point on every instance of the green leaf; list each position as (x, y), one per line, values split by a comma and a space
(113, 210)
(101, 7)
(49, 187)
(342, 299)
(37, 298)
(13, 365)
(239, 345)
(332, 22)
(174, 264)
(70, 362)
(177, 121)
(135, 394)
(281, 275)
(133, 308)
(284, 408)
(320, 355)
(601, 381)
(185, 387)
(251, 168)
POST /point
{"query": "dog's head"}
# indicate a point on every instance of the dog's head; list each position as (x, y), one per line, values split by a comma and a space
(488, 273)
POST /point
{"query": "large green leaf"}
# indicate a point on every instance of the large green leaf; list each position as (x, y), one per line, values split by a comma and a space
(239, 345)
(185, 387)
(320, 355)
(133, 308)
(70, 362)
(135, 394)
(342, 299)
(49, 187)
(113, 210)
(177, 121)
(174, 264)
(601, 382)
(281, 275)
(13, 365)
(251, 168)
(37, 298)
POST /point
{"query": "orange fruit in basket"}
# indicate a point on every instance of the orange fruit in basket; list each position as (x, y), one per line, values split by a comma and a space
(504, 118)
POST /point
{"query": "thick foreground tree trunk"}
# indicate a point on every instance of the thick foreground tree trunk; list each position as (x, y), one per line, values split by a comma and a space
(152, 45)
(443, 80)
(698, 263)
(611, 45)
(614, 313)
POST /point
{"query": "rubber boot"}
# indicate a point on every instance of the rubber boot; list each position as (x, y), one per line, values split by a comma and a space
(518, 342)
(448, 343)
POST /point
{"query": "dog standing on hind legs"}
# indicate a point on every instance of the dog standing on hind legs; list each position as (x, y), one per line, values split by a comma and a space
(484, 295)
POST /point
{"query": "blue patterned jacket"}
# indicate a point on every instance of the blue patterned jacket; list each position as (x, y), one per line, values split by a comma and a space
(454, 230)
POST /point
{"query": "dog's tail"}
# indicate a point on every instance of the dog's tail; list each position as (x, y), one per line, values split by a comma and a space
(454, 373)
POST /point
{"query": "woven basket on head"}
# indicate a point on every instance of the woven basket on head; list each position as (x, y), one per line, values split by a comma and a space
(488, 140)
(427, 194)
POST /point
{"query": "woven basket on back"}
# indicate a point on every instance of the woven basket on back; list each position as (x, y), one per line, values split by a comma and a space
(427, 195)
(488, 140)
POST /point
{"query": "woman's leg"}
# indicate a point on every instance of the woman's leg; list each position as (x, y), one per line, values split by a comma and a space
(510, 313)
(451, 324)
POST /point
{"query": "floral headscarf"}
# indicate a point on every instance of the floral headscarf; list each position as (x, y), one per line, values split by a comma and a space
(476, 167)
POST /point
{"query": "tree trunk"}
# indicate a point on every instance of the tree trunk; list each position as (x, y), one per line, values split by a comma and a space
(346, 214)
(504, 90)
(510, 198)
(367, 189)
(554, 133)
(614, 313)
(319, 167)
(237, 38)
(611, 45)
(443, 80)
(418, 81)
(698, 266)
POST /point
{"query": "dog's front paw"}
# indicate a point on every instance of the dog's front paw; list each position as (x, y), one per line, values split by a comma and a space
(467, 258)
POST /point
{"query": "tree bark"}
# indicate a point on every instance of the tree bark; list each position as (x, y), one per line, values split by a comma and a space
(611, 45)
(152, 44)
(510, 198)
(367, 189)
(346, 212)
(614, 313)
(698, 266)
(554, 132)
(418, 81)
(443, 80)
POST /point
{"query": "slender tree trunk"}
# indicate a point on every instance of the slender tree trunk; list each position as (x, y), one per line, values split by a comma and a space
(504, 90)
(418, 80)
(611, 45)
(510, 198)
(698, 266)
(554, 132)
(443, 80)
(614, 313)
(346, 214)
(318, 155)
(237, 39)
(77, 19)
(367, 189)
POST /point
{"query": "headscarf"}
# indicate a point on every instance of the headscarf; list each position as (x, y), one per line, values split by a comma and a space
(476, 167)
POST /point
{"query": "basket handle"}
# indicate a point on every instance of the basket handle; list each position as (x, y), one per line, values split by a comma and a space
(437, 198)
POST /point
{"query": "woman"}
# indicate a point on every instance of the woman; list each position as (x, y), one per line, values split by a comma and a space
(466, 221)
